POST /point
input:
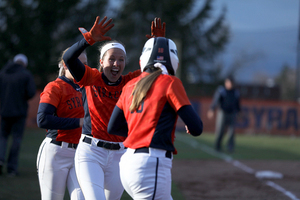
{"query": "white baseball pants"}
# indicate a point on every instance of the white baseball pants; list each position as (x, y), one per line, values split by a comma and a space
(56, 171)
(146, 176)
(97, 170)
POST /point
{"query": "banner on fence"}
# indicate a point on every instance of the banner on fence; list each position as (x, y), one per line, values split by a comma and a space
(257, 116)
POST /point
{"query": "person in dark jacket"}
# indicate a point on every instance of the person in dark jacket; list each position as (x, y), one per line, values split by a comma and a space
(17, 86)
(227, 100)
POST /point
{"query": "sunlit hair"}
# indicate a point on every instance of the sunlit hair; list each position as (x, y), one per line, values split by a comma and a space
(62, 71)
(142, 87)
(100, 68)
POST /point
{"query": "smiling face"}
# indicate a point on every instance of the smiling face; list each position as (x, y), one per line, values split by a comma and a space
(113, 64)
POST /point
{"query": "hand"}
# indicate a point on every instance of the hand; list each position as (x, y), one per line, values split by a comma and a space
(81, 120)
(96, 34)
(187, 130)
(157, 30)
(210, 114)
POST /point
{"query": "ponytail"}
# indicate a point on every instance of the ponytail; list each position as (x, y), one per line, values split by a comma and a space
(141, 89)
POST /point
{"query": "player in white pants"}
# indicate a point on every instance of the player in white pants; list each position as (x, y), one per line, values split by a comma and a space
(104, 182)
(146, 114)
(56, 171)
(61, 113)
(145, 175)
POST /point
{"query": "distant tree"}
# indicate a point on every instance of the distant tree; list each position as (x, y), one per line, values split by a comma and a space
(241, 59)
(190, 24)
(286, 79)
(42, 29)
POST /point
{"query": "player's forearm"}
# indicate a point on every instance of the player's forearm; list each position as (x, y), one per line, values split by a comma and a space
(71, 60)
(52, 122)
(191, 119)
(46, 119)
(117, 124)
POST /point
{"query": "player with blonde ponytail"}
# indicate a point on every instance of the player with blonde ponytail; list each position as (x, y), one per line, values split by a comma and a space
(146, 114)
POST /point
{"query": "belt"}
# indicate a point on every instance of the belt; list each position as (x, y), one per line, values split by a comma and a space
(59, 143)
(106, 145)
(146, 150)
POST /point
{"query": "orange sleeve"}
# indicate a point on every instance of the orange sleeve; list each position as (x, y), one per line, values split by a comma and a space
(176, 95)
(51, 94)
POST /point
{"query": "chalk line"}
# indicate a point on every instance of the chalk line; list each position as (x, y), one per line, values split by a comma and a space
(235, 163)
(281, 189)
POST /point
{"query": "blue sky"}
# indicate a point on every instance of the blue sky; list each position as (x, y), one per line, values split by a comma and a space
(267, 29)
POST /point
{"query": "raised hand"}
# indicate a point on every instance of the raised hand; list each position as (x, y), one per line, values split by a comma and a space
(157, 29)
(97, 32)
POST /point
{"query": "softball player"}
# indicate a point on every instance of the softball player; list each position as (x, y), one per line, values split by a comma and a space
(150, 105)
(61, 113)
(98, 153)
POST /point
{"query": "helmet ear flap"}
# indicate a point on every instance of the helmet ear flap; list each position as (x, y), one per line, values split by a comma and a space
(173, 55)
(146, 53)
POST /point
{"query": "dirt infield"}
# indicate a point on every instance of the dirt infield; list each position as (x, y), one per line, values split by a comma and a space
(219, 180)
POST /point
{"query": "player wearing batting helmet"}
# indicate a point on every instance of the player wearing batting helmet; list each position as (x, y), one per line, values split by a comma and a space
(98, 153)
(146, 113)
(61, 113)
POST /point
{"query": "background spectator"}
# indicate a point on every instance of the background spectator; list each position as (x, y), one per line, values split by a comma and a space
(227, 99)
(17, 86)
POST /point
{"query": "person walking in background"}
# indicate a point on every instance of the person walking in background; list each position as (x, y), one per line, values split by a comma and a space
(227, 100)
(17, 86)
(146, 114)
(61, 112)
(98, 153)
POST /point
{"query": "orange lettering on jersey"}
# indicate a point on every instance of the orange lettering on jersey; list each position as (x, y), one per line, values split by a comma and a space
(95, 91)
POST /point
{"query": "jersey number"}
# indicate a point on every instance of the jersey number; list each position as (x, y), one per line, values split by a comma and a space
(141, 108)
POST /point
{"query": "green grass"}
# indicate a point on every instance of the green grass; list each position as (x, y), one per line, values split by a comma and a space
(26, 185)
(259, 147)
(264, 147)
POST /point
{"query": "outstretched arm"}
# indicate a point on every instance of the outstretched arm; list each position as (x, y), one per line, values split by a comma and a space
(71, 60)
(96, 34)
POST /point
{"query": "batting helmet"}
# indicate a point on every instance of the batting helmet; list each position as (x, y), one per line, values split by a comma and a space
(160, 50)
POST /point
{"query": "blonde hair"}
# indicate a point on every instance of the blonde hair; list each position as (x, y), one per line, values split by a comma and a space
(141, 89)
(100, 68)
(62, 71)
